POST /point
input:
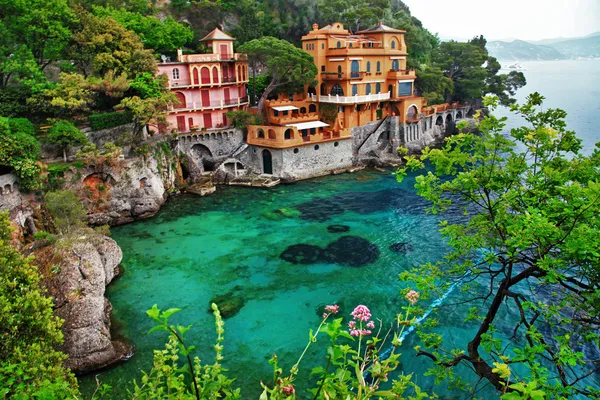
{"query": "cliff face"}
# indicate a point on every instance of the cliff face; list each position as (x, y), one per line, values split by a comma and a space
(77, 269)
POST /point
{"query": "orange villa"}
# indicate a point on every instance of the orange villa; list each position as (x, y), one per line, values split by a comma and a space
(206, 85)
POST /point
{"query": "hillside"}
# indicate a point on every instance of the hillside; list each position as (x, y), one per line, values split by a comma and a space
(584, 47)
(522, 51)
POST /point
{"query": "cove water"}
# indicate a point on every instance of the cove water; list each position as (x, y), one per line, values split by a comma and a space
(231, 244)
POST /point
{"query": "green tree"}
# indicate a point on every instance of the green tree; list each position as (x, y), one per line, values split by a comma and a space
(20, 151)
(30, 367)
(433, 84)
(527, 253)
(162, 36)
(354, 14)
(102, 45)
(286, 64)
(504, 85)
(65, 135)
(66, 209)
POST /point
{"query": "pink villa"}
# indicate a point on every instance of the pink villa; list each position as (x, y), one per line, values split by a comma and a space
(206, 85)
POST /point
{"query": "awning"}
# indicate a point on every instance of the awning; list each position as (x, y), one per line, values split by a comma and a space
(309, 125)
(285, 108)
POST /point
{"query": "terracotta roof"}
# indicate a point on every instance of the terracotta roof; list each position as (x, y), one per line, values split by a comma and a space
(381, 28)
(216, 34)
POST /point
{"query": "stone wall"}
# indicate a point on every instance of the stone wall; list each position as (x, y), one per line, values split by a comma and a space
(10, 196)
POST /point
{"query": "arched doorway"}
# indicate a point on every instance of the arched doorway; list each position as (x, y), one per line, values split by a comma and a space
(411, 114)
(391, 90)
(205, 75)
(449, 119)
(337, 90)
(204, 156)
(459, 115)
(439, 121)
(267, 162)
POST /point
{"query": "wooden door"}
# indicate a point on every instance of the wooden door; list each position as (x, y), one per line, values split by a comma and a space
(207, 121)
(205, 98)
(225, 52)
(181, 124)
(227, 96)
(196, 79)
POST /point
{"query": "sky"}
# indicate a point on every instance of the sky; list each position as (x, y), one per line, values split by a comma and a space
(508, 19)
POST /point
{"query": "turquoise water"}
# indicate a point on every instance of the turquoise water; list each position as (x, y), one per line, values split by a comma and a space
(197, 248)
(231, 243)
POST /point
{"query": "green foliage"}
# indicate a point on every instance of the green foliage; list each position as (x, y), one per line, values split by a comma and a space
(66, 209)
(258, 86)
(65, 135)
(163, 36)
(30, 367)
(13, 100)
(20, 151)
(241, 119)
(109, 120)
(531, 242)
(21, 125)
(329, 112)
(354, 14)
(147, 85)
(44, 236)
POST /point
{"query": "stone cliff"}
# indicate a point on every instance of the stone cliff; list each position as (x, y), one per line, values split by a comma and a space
(77, 269)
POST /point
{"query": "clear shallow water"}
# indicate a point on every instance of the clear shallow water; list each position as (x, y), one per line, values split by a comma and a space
(197, 248)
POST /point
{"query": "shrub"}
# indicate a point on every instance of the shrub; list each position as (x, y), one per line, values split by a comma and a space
(21, 125)
(66, 210)
(66, 134)
(45, 236)
(109, 120)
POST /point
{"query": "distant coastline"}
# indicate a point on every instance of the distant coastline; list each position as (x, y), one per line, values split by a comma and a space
(587, 47)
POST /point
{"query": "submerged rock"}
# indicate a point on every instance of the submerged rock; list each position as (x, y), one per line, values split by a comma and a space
(352, 251)
(229, 303)
(302, 254)
(401, 247)
(338, 228)
(289, 212)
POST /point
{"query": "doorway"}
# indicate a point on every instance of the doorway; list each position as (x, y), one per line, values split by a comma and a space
(267, 162)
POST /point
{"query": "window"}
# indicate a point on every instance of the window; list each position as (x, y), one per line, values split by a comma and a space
(288, 134)
(322, 47)
(336, 144)
(295, 151)
(316, 147)
(350, 45)
(355, 68)
(261, 134)
(378, 66)
(368, 89)
(405, 89)
(369, 66)
(312, 108)
(276, 113)
(313, 131)
(322, 68)
(339, 44)
(395, 65)
(175, 73)
(337, 90)
(354, 90)
(393, 44)
(378, 88)
(285, 113)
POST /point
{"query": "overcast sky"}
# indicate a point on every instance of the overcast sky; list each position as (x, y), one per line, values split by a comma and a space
(503, 19)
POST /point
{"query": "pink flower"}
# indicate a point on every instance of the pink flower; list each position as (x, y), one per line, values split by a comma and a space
(360, 332)
(412, 297)
(332, 309)
(351, 324)
(325, 315)
(288, 390)
(361, 313)
(371, 325)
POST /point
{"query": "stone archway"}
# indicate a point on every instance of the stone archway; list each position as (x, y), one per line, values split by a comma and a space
(459, 115)
(439, 121)
(471, 112)
(205, 157)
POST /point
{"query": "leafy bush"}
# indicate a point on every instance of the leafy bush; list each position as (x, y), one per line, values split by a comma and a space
(30, 368)
(109, 120)
(20, 151)
(66, 210)
(21, 125)
(46, 236)
(66, 134)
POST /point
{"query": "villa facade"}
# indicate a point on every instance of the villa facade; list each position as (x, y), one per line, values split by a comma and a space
(207, 86)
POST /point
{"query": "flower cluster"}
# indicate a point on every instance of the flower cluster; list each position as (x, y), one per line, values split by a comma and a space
(361, 314)
(288, 390)
(332, 309)
(412, 297)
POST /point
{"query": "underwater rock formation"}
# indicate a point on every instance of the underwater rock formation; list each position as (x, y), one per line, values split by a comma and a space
(401, 247)
(352, 251)
(229, 303)
(338, 228)
(302, 254)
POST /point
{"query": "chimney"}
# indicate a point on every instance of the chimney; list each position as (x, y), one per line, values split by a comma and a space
(179, 54)
(315, 27)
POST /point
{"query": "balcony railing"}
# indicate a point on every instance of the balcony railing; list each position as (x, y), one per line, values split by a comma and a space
(402, 73)
(229, 79)
(342, 76)
(212, 105)
(288, 119)
(191, 58)
(351, 99)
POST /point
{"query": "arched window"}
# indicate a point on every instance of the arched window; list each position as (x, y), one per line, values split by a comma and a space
(378, 66)
(323, 46)
(288, 134)
(302, 110)
(378, 88)
(369, 66)
(340, 71)
(411, 114)
(339, 44)
(368, 89)
(205, 75)
(337, 90)
(312, 108)
(391, 90)
(260, 134)
(196, 78)
(355, 69)
(181, 98)
(175, 73)
(395, 65)
(272, 134)
(354, 90)
(393, 44)
(216, 75)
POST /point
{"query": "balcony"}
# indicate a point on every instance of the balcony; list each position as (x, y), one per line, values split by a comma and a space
(402, 74)
(290, 119)
(342, 76)
(194, 58)
(351, 99)
(359, 51)
(216, 104)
